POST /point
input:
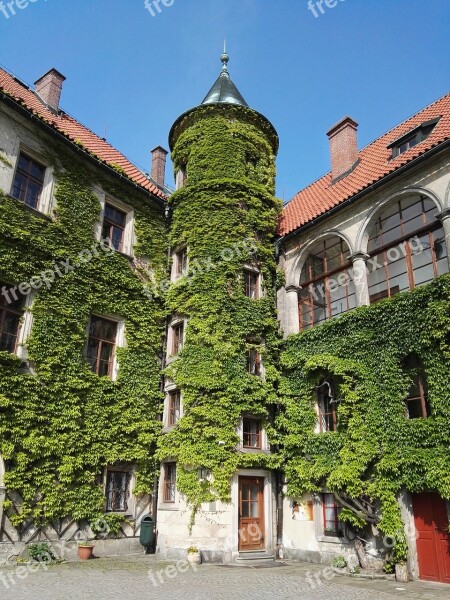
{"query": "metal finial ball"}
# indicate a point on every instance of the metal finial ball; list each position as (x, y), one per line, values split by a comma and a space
(225, 58)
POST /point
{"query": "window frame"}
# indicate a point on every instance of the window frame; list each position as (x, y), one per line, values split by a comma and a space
(247, 287)
(376, 230)
(6, 310)
(119, 342)
(173, 395)
(323, 415)
(254, 362)
(180, 263)
(44, 203)
(129, 238)
(169, 482)
(111, 224)
(327, 280)
(176, 341)
(337, 530)
(259, 434)
(128, 473)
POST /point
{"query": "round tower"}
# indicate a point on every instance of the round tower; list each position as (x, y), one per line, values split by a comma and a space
(221, 375)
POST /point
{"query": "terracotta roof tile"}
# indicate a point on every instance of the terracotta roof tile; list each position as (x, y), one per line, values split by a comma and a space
(75, 132)
(375, 163)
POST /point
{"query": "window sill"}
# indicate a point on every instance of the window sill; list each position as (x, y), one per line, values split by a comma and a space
(168, 507)
(254, 450)
(33, 211)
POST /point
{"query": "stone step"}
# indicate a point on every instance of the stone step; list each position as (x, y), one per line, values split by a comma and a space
(251, 559)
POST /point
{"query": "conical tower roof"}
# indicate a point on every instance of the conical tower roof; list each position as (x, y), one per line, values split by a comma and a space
(224, 89)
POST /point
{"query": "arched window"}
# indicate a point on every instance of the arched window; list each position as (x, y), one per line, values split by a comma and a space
(327, 287)
(406, 246)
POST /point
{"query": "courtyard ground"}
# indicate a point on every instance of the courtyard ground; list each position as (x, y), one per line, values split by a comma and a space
(149, 577)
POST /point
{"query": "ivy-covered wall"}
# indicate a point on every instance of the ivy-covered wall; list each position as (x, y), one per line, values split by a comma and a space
(377, 451)
(226, 216)
(60, 424)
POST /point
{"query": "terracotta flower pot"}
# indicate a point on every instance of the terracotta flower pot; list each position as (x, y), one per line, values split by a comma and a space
(85, 552)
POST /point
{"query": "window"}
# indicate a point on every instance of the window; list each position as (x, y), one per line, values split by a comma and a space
(253, 362)
(412, 138)
(406, 246)
(181, 263)
(177, 338)
(331, 510)
(29, 181)
(327, 407)
(251, 434)
(174, 408)
(327, 287)
(251, 284)
(101, 345)
(11, 310)
(114, 223)
(417, 405)
(117, 490)
(169, 482)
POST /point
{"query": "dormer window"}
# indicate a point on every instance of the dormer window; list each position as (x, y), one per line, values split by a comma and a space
(414, 137)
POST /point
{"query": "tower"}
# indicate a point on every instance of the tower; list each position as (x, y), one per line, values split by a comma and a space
(221, 370)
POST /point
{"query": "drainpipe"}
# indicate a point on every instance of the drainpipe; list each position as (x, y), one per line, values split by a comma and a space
(2, 492)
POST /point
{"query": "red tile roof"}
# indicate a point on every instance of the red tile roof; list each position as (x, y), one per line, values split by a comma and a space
(375, 163)
(76, 132)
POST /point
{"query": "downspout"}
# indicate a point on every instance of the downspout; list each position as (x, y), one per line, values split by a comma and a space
(2, 492)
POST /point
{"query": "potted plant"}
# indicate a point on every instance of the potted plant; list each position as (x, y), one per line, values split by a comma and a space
(193, 555)
(85, 549)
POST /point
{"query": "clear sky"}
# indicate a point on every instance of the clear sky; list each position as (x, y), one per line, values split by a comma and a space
(132, 74)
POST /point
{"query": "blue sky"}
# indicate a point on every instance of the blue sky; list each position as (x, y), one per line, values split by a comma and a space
(131, 74)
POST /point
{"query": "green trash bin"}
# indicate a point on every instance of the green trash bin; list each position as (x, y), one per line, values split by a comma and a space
(147, 535)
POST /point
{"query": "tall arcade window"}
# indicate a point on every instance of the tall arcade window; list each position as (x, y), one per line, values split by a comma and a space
(331, 510)
(29, 181)
(327, 287)
(11, 310)
(406, 246)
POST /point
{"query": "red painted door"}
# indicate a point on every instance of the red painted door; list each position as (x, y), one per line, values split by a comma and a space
(433, 537)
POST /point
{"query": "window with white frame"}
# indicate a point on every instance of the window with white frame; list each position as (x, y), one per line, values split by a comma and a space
(169, 482)
(116, 223)
(180, 263)
(32, 183)
(176, 338)
(173, 407)
(104, 336)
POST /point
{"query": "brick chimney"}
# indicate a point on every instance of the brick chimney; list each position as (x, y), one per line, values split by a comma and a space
(49, 87)
(159, 166)
(343, 147)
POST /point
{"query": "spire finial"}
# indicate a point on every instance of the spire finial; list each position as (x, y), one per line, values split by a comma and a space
(225, 58)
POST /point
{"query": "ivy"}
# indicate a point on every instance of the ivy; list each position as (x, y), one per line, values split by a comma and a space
(60, 424)
(226, 215)
(377, 451)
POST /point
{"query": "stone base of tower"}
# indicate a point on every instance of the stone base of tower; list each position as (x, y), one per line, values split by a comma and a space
(223, 532)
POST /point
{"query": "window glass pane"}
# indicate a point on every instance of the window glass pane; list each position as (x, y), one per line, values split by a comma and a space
(19, 187)
(37, 171)
(32, 194)
(24, 163)
(415, 409)
(254, 509)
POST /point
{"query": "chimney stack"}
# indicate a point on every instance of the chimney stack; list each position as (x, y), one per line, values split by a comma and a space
(49, 87)
(159, 166)
(343, 147)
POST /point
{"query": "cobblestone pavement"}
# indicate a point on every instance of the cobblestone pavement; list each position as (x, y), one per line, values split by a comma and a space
(148, 577)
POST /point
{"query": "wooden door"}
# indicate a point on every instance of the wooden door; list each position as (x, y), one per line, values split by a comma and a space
(433, 537)
(251, 513)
